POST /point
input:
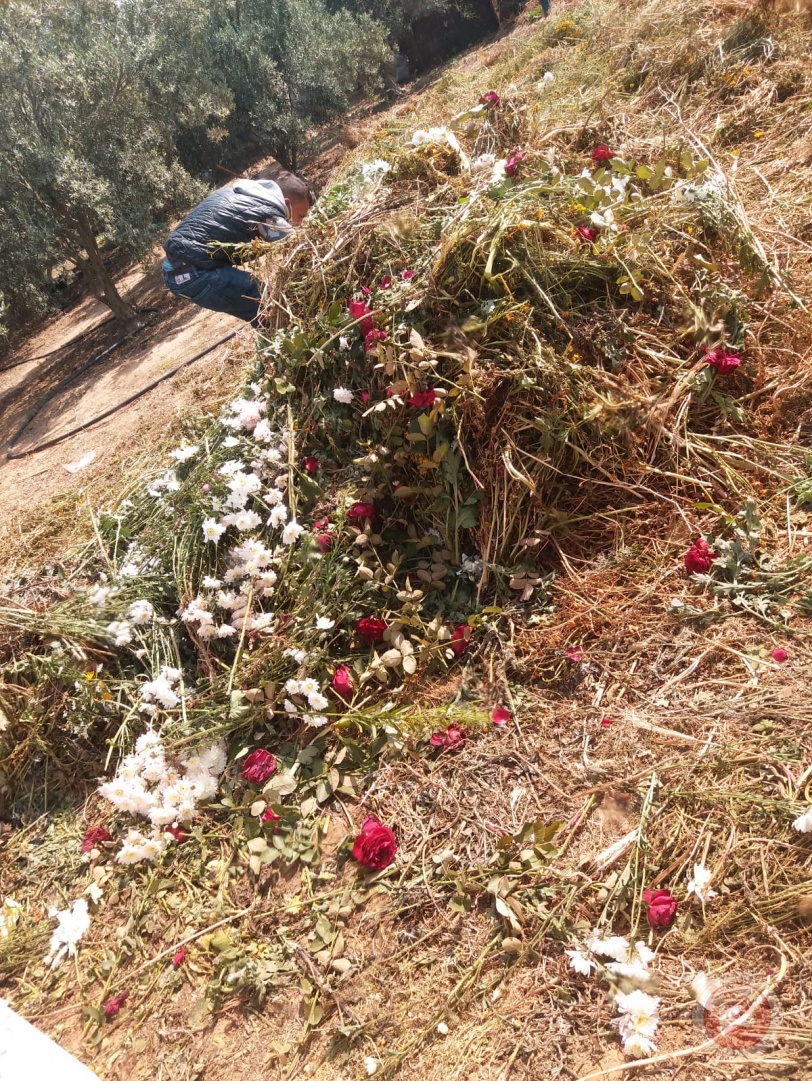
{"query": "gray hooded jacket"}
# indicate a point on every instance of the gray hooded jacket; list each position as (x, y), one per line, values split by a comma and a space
(235, 215)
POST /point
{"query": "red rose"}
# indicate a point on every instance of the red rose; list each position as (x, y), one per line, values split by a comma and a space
(459, 638)
(451, 740)
(372, 336)
(375, 845)
(588, 232)
(407, 275)
(422, 398)
(94, 837)
(114, 1004)
(258, 767)
(386, 283)
(601, 154)
(179, 957)
(500, 715)
(513, 162)
(779, 655)
(370, 630)
(574, 654)
(361, 512)
(269, 815)
(491, 98)
(723, 360)
(364, 396)
(311, 465)
(359, 309)
(662, 907)
(699, 557)
(178, 833)
(341, 682)
(323, 535)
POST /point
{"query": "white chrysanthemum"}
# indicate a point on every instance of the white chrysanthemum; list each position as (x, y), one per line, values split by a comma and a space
(166, 483)
(298, 655)
(212, 530)
(273, 497)
(140, 612)
(343, 395)
(279, 515)
(343, 343)
(314, 721)
(637, 1024)
(231, 441)
(160, 690)
(211, 583)
(289, 707)
(99, 595)
(324, 624)
(317, 701)
(615, 947)
(293, 686)
(184, 453)
(699, 884)
(803, 824)
(306, 686)
(245, 483)
(292, 532)
(71, 926)
(120, 631)
(579, 962)
(263, 432)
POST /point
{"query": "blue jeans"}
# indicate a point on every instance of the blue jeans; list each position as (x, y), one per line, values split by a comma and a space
(221, 289)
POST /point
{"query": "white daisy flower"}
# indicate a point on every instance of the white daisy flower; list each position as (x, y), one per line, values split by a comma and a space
(343, 395)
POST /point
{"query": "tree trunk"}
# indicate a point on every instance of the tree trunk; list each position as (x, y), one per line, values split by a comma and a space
(101, 284)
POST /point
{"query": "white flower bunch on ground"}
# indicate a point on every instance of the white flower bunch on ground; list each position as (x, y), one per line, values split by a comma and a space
(146, 785)
(164, 484)
(244, 413)
(197, 612)
(161, 690)
(692, 192)
(803, 824)
(120, 631)
(305, 688)
(184, 452)
(637, 1023)
(100, 595)
(699, 885)
(71, 926)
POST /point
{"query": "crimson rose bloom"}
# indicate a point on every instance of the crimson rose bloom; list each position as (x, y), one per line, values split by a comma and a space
(601, 154)
(723, 360)
(779, 655)
(94, 837)
(662, 907)
(178, 833)
(258, 767)
(422, 398)
(459, 638)
(372, 336)
(341, 682)
(375, 845)
(513, 162)
(360, 512)
(699, 557)
(359, 309)
(311, 465)
(323, 534)
(370, 630)
(491, 98)
(451, 740)
(588, 232)
(114, 1004)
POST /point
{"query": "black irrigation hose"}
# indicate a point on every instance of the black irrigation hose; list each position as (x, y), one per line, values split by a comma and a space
(46, 398)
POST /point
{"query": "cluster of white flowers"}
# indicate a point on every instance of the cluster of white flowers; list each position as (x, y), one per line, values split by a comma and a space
(120, 631)
(101, 594)
(637, 1023)
(161, 691)
(306, 688)
(699, 884)
(430, 135)
(184, 452)
(71, 926)
(803, 824)
(691, 192)
(343, 395)
(164, 484)
(374, 170)
(140, 612)
(147, 785)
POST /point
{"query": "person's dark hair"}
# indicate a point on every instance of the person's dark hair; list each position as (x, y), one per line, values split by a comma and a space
(295, 189)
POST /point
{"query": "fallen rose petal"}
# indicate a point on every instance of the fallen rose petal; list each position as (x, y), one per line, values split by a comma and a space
(459, 638)
(114, 1004)
(500, 715)
(722, 359)
(779, 655)
(371, 630)
(386, 282)
(574, 654)
(407, 275)
(588, 232)
(179, 957)
(269, 815)
(95, 836)
(258, 767)
(375, 846)
(490, 98)
(601, 154)
(606, 722)
(178, 833)
(311, 465)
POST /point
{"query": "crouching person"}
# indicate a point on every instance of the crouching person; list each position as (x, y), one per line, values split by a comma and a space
(199, 269)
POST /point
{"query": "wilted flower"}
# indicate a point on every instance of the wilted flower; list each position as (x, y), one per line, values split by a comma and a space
(341, 682)
(579, 962)
(360, 512)
(311, 465)
(803, 824)
(637, 1024)
(373, 336)
(407, 275)
(422, 398)
(359, 309)
(491, 98)
(699, 557)
(500, 715)
(386, 283)
(699, 885)
(269, 816)
(258, 767)
(662, 907)
(601, 154)
(574, 654)
(371, 630)
(722, 359)
(513, 162)
(451, 740)
(606, 722)
(177, 833)
(375, 846)
(588, 232)
(95, 836)
(459, 638)
(322, 534)
(114, 1004)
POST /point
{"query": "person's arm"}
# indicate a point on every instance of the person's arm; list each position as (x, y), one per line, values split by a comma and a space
(274, 228)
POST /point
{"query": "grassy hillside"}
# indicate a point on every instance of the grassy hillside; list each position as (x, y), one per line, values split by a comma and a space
(504, 544)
